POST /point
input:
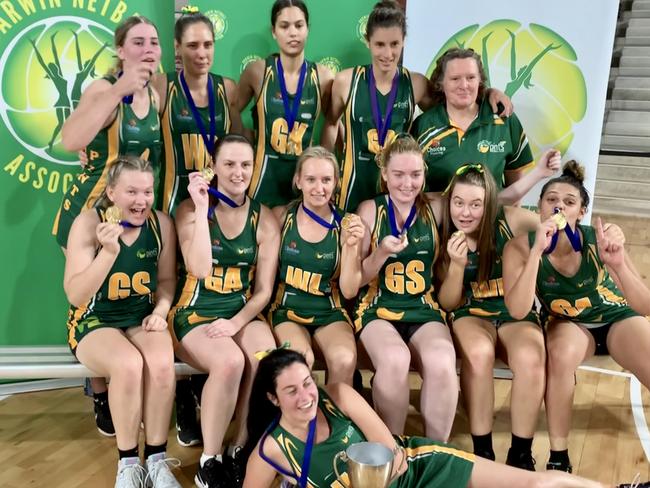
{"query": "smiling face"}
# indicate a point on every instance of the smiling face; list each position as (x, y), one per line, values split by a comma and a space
(196, 48)
(140, 46)
(290, 31)
(317, 181)
(296, 393)
(564, 197)
(466, 207)
(460, 82)
(133, 194)
(233, 168)
(404, 176)
(386, 44)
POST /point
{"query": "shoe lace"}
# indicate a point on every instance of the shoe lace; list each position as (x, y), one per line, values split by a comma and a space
(161, 466)
(135, 473)
(636, 481)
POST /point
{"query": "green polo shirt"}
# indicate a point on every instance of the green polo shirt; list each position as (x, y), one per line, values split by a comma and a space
(496, 142)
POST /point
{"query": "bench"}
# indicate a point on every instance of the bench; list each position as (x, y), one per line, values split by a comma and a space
(46, 362)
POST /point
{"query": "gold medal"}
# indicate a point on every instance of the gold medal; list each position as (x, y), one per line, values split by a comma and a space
(346, 221)
(560, 220)
(458, 233)
(207, 173)
(405, 239)
(113, 214)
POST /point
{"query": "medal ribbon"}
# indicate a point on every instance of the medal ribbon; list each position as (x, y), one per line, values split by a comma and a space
(223, 198)
(572, 235)
(382, 124)
(393, 222)
(317, 218)
(209, 143)
(291, 112)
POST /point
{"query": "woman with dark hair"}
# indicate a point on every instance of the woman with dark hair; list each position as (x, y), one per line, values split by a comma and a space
(120, 274)
(461, 128)
(229, 245)
(293, 416)
(593, 298)
(376, 101)
(397, 313)
(475, 229)
(289, 92)
(199, 106)
(319, 262)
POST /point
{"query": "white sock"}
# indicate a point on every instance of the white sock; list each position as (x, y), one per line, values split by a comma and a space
(205, 457)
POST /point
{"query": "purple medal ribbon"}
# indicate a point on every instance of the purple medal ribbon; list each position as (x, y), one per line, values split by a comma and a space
(209, 142)
(382, 124)
(393, 222)
(291, 112)
(322, 221)
(223, 198)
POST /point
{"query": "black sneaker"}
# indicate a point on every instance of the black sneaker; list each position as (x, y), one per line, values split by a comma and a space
(103, 418)
(236, 467)
(188, 430)
(521, 460)
(560, 466)
(213, 474)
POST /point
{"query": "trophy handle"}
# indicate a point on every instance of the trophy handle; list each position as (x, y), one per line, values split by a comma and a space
(343, 457)
(401, 465)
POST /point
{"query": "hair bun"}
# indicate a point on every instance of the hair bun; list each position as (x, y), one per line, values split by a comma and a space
(573, 169)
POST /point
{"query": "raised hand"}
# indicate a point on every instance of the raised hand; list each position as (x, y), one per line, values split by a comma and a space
(458, 249)
(549, 163)
(354, 231)
(393, 245)
(198, 190)
(544, 234)
(611, 252)
(133, 79)
(108, 236)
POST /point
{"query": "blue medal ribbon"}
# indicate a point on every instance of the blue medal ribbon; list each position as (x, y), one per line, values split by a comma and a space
(291, 112)
(306, 459)
(382, 124)
(209, 142)
(317, 218)
(127, 224)
(393, 222)
(128, 99)
(572, 235)
(223, 198)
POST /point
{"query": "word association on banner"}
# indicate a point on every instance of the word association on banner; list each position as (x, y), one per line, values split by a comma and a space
(50, 50)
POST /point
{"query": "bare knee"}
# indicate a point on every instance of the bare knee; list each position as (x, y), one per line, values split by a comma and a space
(340, 358)
(229, 366)
(528, 362)
(395, 361)
(128, 369)
(479, 358)
(563, 357)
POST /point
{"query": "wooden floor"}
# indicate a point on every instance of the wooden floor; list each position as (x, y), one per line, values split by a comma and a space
(49, 438)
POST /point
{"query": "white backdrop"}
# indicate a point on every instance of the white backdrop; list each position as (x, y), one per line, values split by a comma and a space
(559, 73)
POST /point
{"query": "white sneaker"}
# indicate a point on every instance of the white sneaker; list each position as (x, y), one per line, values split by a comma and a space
(159, 474)
(130, 473)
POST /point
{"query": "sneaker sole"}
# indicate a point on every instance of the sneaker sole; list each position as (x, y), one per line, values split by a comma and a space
(198, 483)
(104, 433)
(193, 442)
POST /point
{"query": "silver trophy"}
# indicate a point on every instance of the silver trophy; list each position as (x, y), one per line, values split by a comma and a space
(369, 465)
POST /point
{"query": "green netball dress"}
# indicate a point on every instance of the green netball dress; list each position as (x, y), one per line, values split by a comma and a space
(485, 300)
(184, 149)
(127, 295)
(496, 142)
(307, 291)
(276, 150)
(590, 297)
(228, 288)
(126, 135)
(430, 464)
(403, 290)
(359, 171)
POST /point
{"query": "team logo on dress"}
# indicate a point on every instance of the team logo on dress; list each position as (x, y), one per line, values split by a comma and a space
(247, 59)
(330, 62)
(325, 255)
(291, 248)
(216, 245)
(185, 113)
(486, 146)
(246, 250)
(219, 21)
(435, 149)
(551, 281)
(146, 253)
(528, 60)
(361, 28)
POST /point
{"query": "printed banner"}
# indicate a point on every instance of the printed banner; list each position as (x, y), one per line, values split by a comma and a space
(554, 68)
(50, 50)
